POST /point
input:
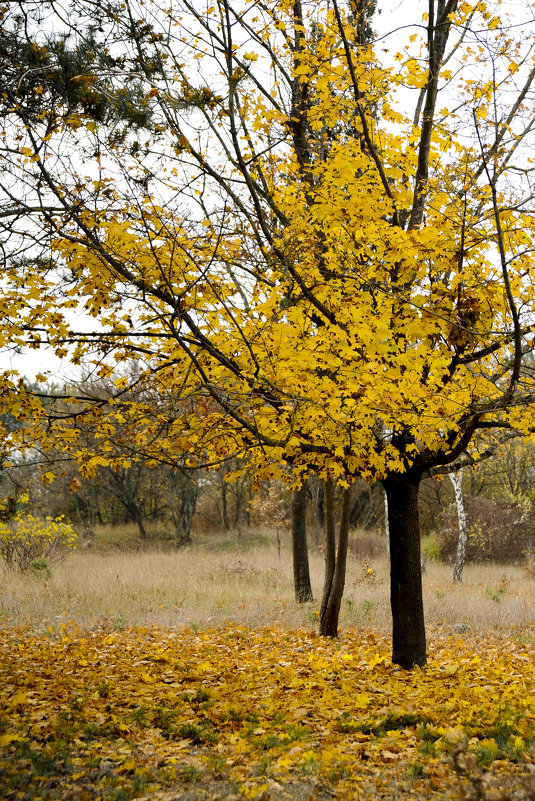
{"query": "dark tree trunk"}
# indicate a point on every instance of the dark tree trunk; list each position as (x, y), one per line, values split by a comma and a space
(242, 497)
(303, 589)
(183, 510)
(335, 562)
(408, 635)
(315, 493)
(224, 497)
(138, 519)
(247, 509)
(330, 544)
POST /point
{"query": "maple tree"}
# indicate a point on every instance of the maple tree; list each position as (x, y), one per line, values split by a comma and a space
(325, 239)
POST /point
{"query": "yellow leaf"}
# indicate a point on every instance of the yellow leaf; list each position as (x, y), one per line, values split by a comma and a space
(6, 739)
(19, 699)
(376, 660)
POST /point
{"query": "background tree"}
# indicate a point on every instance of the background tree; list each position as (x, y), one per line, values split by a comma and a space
(457, 481)
(303, 588)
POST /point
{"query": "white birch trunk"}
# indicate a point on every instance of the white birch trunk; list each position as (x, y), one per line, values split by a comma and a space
(456, 480)
(387, 527)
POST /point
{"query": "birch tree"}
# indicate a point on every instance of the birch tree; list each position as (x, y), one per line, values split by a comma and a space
(457, 481)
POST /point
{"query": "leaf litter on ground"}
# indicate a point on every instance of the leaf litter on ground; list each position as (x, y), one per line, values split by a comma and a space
(234, 713)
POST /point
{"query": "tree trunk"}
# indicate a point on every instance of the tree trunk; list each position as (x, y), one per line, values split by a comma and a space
(456, 480)
(247, 509)
(224, 497)
(138, 518)
(316, 495)
(236, 522)
(303, 589)
(330, 544)
(183, 510)
(408, 635)
(335, 562)
(387, 529)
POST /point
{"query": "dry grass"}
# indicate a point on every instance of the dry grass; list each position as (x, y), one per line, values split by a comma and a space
(247, 582)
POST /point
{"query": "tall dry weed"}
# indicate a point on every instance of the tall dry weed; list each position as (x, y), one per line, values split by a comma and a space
(250, 585)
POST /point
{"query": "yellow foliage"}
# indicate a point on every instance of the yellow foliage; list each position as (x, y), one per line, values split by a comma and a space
(341, 296)
(28, 538)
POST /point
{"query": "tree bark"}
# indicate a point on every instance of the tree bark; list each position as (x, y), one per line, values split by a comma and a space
(303, 589)
(183, 510)
(406, 599)
(316, 495)
(330, 544)
(138, 519)
(335, 573)
(224, 496)
(387, 528)
(456, 480)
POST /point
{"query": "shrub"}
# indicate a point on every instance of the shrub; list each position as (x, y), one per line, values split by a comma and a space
(529, 565)
(498, 531)
(40, 567)
(26, 540)
(367, 544)
(8, 508)
(431, 550)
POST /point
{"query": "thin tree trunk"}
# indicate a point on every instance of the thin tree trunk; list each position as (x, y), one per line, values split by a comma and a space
(303, 589)
(387, 527)
(140, 524)
(224, 497)
(334, 589)
(406, 599)
(330, 544)
(456, 480)
(315, 492)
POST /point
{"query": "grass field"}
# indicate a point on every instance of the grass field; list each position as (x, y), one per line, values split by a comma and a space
(248, 581)
(192, 675)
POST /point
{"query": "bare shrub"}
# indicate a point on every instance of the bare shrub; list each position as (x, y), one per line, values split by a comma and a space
(498, 531)
(529, 565)
(367, 544)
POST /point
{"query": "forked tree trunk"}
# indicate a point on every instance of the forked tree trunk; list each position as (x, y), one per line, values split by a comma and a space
(183, 509)
(408, 634)
(303, 589)
(140, 524)
(136, 516)
(335, 561)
